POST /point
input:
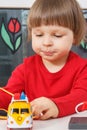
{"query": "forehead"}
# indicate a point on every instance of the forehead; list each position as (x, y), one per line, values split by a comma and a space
(50, 28)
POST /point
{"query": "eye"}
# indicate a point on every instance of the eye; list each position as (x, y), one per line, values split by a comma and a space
(39, 35)
(59, 36)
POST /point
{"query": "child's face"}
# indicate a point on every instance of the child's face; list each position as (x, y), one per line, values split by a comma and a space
(52, 42)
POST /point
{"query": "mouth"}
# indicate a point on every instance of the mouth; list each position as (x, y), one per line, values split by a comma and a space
(48, 53)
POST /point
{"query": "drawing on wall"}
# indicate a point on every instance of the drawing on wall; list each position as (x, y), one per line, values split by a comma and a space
(83, 44)
(9, 34)
(14, 46)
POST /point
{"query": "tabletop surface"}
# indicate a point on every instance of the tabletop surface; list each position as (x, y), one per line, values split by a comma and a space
(53, 124)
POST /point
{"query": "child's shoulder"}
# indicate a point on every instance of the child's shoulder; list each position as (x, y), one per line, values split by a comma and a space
(31, 59)
(77, 58)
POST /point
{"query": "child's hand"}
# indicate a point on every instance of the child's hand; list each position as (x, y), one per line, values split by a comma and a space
(43, 108)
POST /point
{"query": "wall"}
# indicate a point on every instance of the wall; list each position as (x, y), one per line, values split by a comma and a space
(83, 3)
(28, 3)
(16, 3)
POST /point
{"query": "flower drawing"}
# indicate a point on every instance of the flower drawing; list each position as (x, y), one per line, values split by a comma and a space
(14, 25)
(9, 34)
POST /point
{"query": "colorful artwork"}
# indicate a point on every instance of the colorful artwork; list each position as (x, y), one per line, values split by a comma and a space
(9, 34)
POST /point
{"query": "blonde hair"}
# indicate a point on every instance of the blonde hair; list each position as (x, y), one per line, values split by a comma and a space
(65, 13)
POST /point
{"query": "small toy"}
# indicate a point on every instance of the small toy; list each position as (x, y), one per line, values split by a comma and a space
(83, 106)
(19, 113)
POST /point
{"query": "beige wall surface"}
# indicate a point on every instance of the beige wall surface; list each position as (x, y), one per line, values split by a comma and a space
(16, 3)
(83, 3)
(28, 3)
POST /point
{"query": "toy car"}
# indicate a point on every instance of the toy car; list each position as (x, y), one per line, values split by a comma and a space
(19, 113)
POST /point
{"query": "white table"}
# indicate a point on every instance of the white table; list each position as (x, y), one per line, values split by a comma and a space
(53, 124)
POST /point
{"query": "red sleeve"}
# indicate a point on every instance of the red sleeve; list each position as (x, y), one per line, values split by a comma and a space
(15, 84)
(78, 94)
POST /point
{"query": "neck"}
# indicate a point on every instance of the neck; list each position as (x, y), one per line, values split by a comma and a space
(55, 66)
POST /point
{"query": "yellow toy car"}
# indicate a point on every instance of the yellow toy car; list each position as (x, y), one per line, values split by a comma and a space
(19, 113)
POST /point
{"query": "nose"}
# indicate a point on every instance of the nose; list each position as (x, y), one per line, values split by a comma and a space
(47, 41)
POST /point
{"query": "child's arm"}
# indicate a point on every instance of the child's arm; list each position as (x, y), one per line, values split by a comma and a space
(78, 93)
(15, 84)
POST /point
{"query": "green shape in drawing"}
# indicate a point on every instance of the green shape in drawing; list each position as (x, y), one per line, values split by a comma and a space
(18, 42)
(6, 38)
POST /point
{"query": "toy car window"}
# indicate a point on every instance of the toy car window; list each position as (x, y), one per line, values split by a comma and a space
(24, 110)
(15, 110)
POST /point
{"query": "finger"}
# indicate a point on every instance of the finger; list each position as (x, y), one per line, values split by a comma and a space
(45, 116)
(38, 116)
(36, 112)
(32, 103)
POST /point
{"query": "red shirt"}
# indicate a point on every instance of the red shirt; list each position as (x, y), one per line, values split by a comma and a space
(66, 88)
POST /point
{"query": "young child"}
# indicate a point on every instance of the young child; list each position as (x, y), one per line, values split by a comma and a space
(55, 78)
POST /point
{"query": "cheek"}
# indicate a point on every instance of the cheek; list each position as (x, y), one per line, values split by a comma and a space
(68, 41)
(67, 46)
(35, 46)
(64, 45)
